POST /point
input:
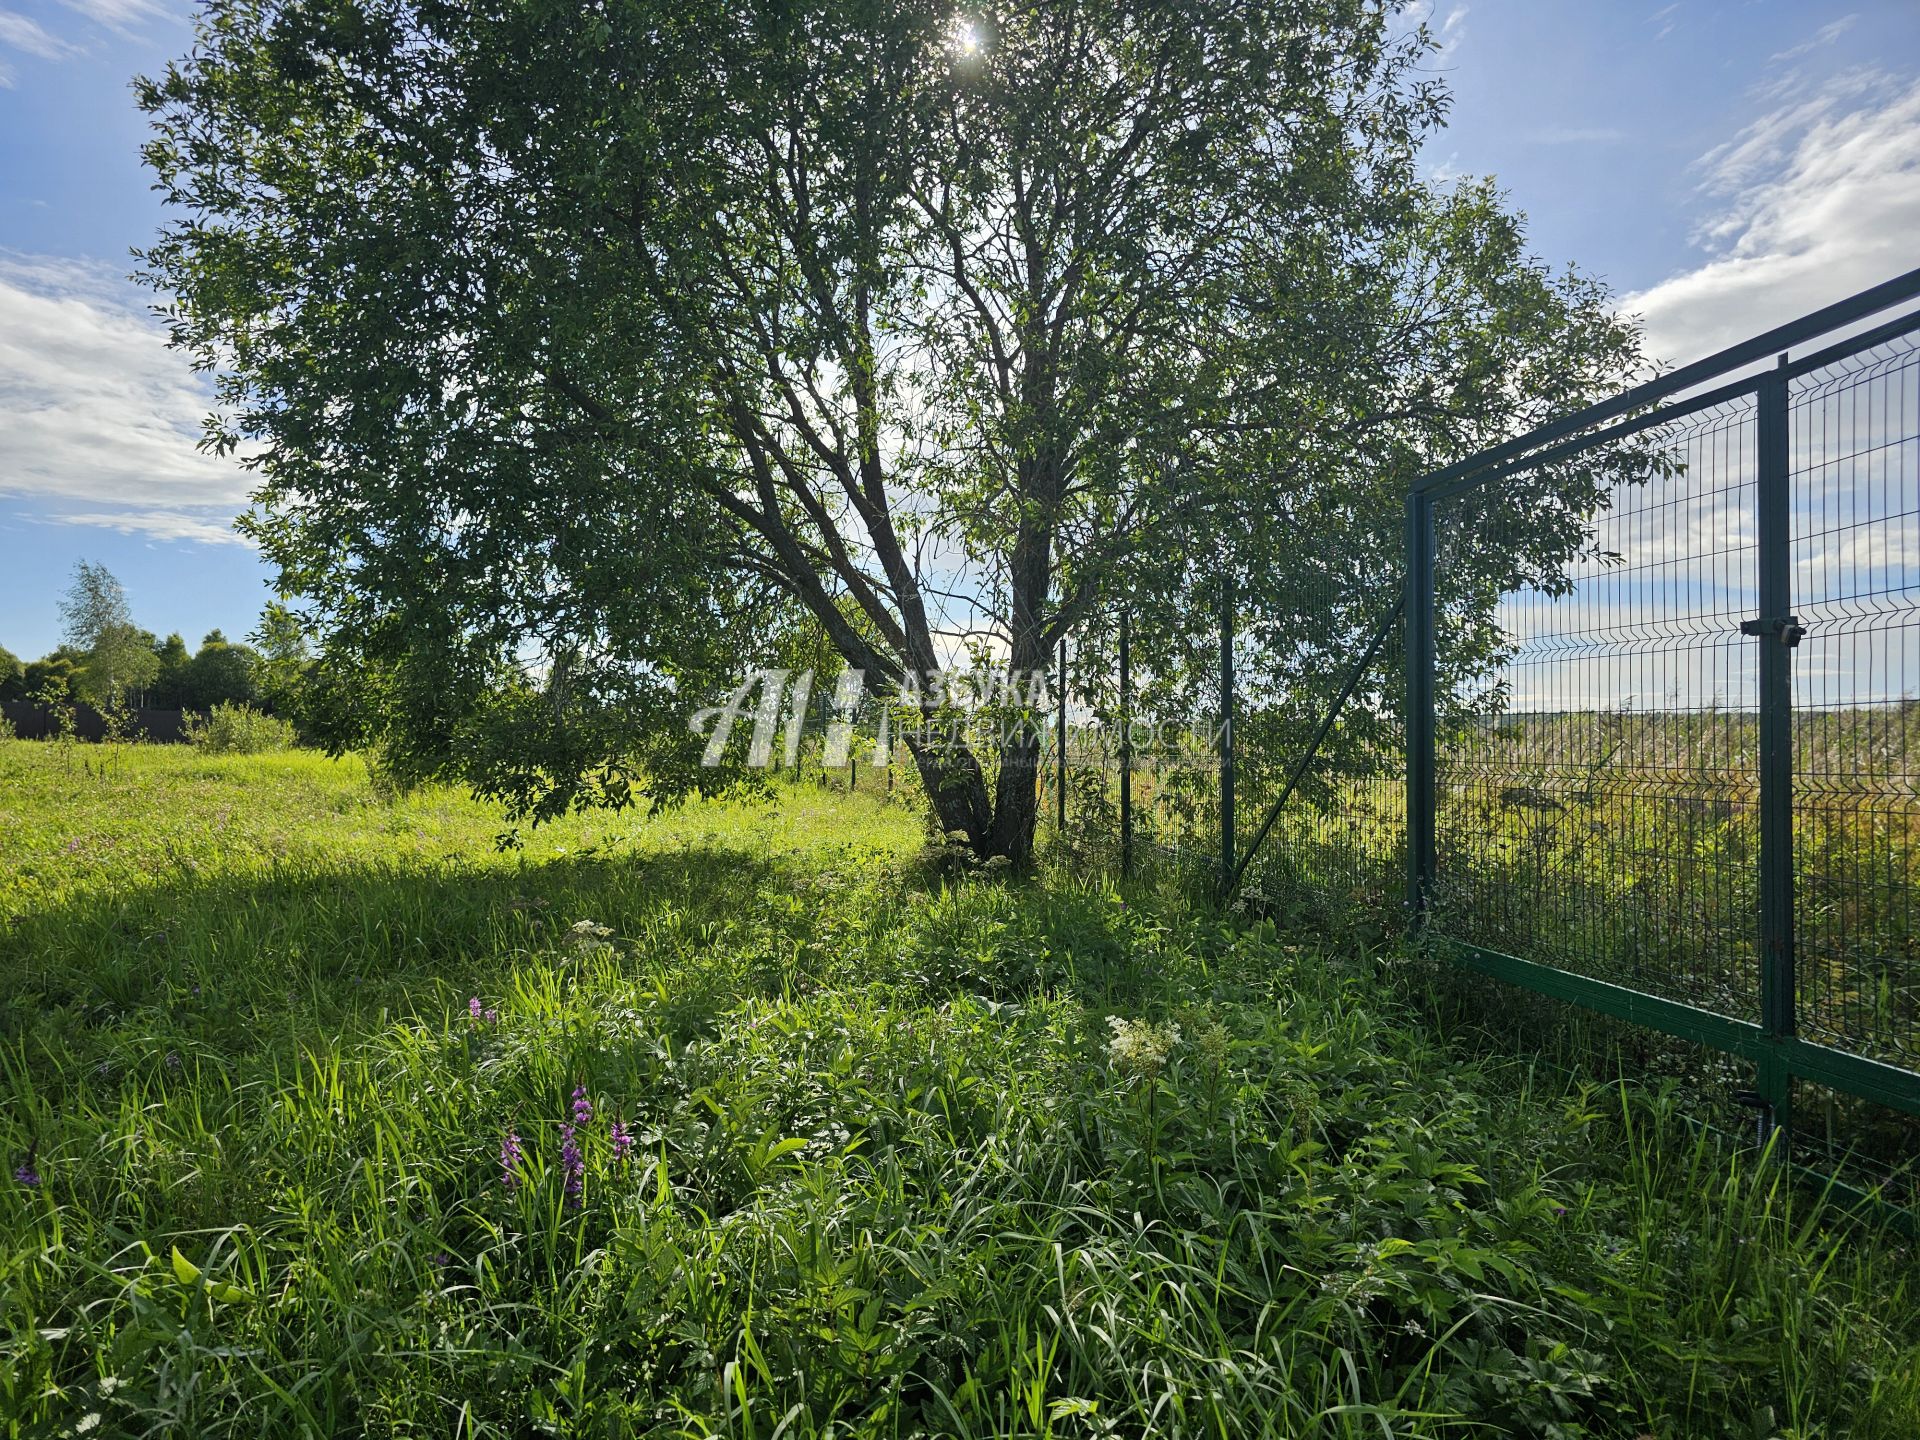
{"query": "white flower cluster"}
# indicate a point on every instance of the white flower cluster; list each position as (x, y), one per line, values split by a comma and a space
(1139, 1048)
(588, 937)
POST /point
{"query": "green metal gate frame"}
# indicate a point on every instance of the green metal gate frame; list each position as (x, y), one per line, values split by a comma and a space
(1778, 1054)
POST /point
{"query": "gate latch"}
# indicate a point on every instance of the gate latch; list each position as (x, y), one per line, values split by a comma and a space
(1787, 629)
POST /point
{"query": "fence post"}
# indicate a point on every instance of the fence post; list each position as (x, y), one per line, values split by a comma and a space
(1226, 731)
(1126, 754)
(1776, 629)
(1060, 736)
(1422, 863)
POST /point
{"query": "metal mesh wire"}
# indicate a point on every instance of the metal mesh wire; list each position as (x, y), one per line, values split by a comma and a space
(1598, 775)
(1335, 855)
(1336, 852)
(1855, 462)
(1175, 794)
(1598, 779)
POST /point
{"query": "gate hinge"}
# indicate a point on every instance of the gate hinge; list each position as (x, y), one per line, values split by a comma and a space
(1787, 629)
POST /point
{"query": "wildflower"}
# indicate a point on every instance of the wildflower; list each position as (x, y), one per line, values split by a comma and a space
(1210, 1041)
(481, 1015)
(588, 937)
(511, 1158)
(1559, 1212)
(582, 1107)
(622, 1139)
(573, 1166)
(26, 1174)
(1139, 1048)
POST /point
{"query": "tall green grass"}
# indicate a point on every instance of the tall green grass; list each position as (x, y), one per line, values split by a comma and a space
(893, 1170)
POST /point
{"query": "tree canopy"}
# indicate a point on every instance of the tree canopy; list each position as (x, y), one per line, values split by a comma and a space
(575, 346)
(117, 657)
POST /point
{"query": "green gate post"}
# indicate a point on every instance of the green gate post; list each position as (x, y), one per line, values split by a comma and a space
(1226, 732)
(1126, 755)
(1421, 855)
(1778, 631)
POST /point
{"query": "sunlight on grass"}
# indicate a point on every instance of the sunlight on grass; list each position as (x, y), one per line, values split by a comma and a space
(854, 1147)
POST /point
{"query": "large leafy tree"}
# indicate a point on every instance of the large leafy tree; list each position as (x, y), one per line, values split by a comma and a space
(570, 341)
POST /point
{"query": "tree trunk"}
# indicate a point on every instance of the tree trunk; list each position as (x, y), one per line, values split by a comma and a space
(955, 787)
(1016, 809)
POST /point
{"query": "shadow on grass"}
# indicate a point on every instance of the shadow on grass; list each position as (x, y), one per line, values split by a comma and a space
(244, 972)
(233, 964)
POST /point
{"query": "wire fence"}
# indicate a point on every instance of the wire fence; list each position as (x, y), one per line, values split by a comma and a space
(1666, 774)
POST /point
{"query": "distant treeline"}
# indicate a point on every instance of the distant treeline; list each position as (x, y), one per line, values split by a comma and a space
(219, 672)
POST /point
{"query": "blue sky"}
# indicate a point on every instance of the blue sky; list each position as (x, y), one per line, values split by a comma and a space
(1724, 164)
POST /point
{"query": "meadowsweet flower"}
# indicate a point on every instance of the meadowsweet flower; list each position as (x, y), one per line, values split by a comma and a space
(1211, 1042)
(1139, 1048)
(588, 937)
(622, 1139)
(511, 1159)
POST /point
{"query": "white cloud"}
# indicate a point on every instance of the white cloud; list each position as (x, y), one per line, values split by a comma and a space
(1815, 200)
(98, 419)
(1825, 35)
(123, 17)
(24, 34)
(28, 36)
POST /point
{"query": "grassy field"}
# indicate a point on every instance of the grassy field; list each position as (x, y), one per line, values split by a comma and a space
(326, 1116)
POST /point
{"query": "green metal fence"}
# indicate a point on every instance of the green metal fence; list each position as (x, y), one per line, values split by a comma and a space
(1675, 781)
(1681, 790)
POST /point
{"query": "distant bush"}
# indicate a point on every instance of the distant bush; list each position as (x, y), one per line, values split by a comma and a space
(240, 730)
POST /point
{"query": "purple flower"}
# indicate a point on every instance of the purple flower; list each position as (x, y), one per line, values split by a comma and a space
(511, 1158)
(582, 1107)
(479, 1014)
(26, 1174)
(493, 1017)
(622, 1142)
(1559, 1211)
(473, 1010)
(573, 1166)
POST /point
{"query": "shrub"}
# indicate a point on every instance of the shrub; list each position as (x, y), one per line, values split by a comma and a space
(240, 730)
